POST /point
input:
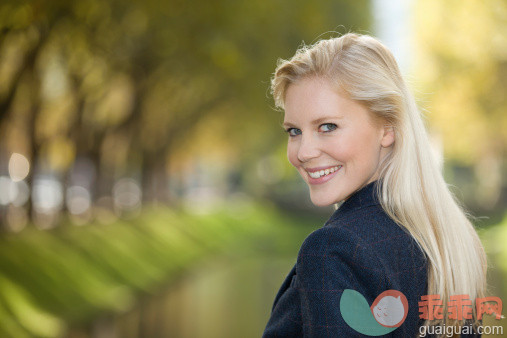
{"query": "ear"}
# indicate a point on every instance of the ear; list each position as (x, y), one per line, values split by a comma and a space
(387, 135)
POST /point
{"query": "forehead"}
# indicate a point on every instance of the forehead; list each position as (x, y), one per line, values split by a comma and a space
(312, 98)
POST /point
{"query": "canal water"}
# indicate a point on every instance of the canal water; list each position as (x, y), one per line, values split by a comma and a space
(224, 297)
(232, 296)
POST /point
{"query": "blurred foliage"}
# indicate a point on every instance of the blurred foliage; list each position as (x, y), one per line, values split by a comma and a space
(141, 85)
(464, 58)
(68, 276)
(494, 239)
(93, 92)
(461, 54)
(147, 89)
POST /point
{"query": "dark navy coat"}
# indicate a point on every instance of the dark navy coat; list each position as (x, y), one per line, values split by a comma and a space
(358, 248)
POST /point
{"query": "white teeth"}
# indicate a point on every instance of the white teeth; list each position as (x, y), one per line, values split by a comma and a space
(321, 173)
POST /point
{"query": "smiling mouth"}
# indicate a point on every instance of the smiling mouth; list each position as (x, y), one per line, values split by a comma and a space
(324, 172)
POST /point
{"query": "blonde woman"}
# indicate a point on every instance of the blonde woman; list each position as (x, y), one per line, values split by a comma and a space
(398, 234)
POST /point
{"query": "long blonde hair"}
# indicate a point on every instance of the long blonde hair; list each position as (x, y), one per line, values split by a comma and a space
(412, 190)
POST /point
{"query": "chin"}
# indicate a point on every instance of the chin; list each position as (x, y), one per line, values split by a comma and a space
(322, 202)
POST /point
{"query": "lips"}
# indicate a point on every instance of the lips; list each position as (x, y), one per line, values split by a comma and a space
(322, 174)
(322, 171)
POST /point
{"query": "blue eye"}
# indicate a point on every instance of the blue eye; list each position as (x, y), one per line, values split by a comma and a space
(328, 127)
(293, 131)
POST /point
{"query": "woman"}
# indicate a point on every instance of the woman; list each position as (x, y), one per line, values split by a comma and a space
(358, 140)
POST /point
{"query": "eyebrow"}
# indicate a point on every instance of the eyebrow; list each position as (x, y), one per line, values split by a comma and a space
(314, 122)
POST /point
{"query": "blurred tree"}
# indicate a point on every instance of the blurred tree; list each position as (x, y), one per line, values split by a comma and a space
(462, 62)
(132, 85)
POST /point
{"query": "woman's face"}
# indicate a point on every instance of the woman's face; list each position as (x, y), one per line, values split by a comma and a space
(333, 141)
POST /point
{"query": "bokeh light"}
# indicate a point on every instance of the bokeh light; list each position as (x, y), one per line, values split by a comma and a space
(8, 190)
(19, 166)
(47, 194)
(127, 194)
(78, 200)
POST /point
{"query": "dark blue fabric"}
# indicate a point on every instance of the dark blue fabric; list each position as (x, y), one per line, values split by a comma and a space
(358, 248)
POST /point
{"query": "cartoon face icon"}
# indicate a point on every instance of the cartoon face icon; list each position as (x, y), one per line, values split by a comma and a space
(390, 308)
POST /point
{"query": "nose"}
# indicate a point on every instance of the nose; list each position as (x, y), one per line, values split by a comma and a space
(308, 148)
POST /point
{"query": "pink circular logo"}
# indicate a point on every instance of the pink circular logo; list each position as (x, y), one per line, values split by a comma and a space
(390, 308)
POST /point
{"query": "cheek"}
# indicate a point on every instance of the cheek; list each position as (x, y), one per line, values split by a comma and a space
(360, 148)
(292, 154)
(344, 148)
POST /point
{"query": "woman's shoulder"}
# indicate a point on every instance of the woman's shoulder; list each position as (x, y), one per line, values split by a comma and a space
(367, 234)
(368, 225)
